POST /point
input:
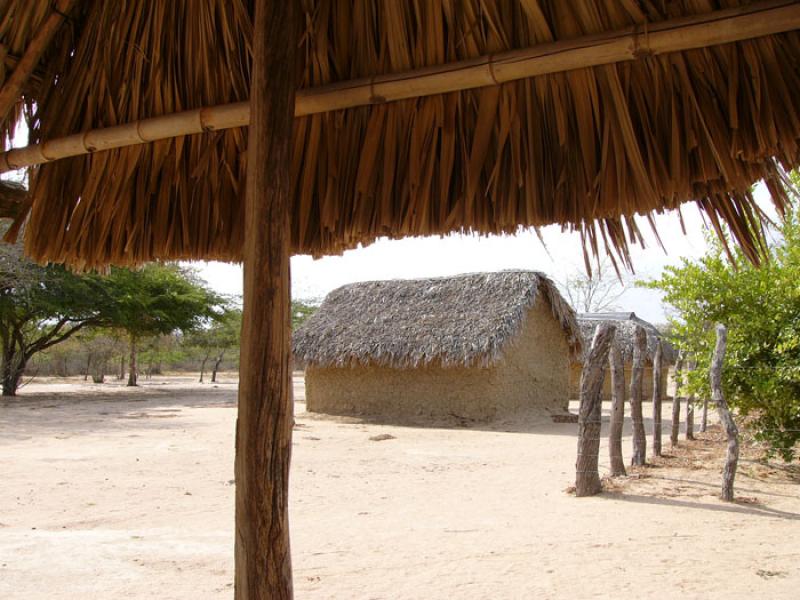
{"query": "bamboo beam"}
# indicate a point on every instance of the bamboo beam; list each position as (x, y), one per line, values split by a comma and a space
(10, 92)
(265, 417)
(718, 27)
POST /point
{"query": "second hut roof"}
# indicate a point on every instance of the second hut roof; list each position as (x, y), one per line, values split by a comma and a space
(465, 320)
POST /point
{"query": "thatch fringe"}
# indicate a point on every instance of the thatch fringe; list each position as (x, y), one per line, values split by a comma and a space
(586, 149)
(466, 320)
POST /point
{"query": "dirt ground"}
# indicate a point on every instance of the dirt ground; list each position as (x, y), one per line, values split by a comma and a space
(113, 493)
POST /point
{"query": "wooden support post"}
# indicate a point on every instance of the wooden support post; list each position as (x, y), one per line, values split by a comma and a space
(676, 402)
(617, 411)
(637, 375)
(657, 397)
(725, 417)
(587, 477)
(264, 424)
(704, 416)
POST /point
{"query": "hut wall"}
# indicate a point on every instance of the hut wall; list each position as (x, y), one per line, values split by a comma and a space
(401, 393)
(647, 382)
(532, 373)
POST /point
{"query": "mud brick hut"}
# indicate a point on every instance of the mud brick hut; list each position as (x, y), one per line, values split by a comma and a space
(625, 323)
(251, 130)
(474, 346)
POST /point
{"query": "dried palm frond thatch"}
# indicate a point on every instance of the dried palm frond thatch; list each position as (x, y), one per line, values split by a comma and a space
(466, 320)
(626, 323)
(587, 148)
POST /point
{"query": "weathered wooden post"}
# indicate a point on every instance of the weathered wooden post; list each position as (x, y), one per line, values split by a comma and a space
(704, 416)
(587, 477)
(617, 369)
(264, 424)
(637, 375)
(675, 426)
(725, 417)
(690, 402)
(657, 396)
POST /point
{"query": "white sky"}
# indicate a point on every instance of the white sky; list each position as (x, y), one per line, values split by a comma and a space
(434, 256)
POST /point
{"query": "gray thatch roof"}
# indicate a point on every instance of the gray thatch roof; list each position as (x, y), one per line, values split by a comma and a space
(454, 321)
(626, 322)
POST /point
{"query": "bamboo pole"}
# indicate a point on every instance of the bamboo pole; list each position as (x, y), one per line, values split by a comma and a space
(718, 27)
(265, 411)
(10, 93)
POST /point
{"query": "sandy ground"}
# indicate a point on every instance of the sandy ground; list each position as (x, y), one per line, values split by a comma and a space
(112, 493)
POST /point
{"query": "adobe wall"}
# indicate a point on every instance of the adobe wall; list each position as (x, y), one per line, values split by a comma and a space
(647, 382)
(534, 373)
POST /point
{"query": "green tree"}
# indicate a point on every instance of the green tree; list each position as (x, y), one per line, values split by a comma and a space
(761, 308)
(214, 341)
(301, 310)
(158, 299)
(39, 308)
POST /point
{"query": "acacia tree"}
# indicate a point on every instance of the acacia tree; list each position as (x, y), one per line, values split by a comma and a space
(214, 341)
(158, 299)
(39, 308)
(761, 309)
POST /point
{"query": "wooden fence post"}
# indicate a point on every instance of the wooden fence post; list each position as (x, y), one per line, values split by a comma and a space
(617, 410)
(676, 402)
(725, 417)
(587, 478)
(657, 396)
(637, 375)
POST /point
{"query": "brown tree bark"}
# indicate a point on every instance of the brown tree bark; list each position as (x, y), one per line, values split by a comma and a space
(675, 425)
(133, 368)
(617, 369)
(690, 402)
(657, 397)
(264, 424)
(587, 477)
(704, 416)
(637, 374)
(725, 417)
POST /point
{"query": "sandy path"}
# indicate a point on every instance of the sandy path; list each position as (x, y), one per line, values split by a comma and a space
(130, 494)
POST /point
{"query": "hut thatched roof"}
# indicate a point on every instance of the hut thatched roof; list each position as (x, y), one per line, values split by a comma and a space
(467, 320)
(586, 148)
(626, 323)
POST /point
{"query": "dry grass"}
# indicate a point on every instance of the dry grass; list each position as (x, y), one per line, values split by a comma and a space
(586, 149)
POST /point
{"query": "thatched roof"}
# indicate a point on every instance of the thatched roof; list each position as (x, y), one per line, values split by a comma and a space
(467, 320)
(626, 323)
(12, 197)
(587, 148)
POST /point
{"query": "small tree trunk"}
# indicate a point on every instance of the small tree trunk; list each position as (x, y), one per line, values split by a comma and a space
(657, 397)
(617, 411)
(587, 477)
(121, 374)
(676, 403)
(725, 417)
(690, 417)
(637, 375)
(88, 367)
(704, 417)
(217, 363)
(13, 368)
(203, 368)
(132, 368)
